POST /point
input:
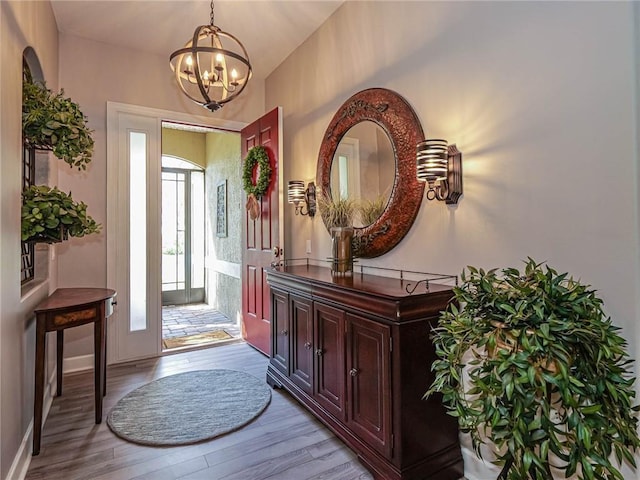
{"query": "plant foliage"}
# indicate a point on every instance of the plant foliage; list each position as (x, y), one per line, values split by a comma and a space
(256, 156)
(50, 215)
(370, 210)
(336, 213)
(548, 380)
(52, 122)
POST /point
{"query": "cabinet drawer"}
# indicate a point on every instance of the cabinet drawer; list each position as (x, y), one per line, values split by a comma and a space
(74, 317)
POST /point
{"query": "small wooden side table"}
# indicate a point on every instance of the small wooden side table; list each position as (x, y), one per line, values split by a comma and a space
(66, 308)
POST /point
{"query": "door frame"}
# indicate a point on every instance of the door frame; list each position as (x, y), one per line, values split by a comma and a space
(114, 109)
(188, 238)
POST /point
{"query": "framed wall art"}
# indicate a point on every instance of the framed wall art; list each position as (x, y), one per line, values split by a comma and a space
(221, 209)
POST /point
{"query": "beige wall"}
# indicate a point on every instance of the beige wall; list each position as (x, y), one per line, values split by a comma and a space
(540, 98)
(183, 144)
(22, 24)
(125, 76)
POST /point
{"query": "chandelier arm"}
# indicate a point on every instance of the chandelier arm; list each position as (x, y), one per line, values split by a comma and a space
(184, 90)
(196, 64)
(211, 50)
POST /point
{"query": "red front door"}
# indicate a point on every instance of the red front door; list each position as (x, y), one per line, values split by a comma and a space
(261, 236)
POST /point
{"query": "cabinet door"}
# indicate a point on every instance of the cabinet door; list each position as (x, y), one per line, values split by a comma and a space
(280, 330)
(368, 382)
(329, 378)
(301, 342)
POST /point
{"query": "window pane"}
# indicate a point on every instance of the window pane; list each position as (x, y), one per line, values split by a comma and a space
(138, 231)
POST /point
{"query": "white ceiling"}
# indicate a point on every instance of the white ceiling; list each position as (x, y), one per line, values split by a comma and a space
(269, 29)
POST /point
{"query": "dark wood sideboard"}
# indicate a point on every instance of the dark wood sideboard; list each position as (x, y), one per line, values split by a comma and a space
(355, 351)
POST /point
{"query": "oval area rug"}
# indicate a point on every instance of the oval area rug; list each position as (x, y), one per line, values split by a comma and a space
(189, 407)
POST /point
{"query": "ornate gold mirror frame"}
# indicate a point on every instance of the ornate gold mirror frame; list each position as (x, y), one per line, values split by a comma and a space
(399, 121)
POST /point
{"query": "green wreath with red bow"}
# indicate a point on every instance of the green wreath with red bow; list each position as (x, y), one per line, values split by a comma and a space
(256, 156)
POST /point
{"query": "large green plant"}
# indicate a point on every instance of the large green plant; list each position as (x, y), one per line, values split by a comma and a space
(52, 122)
(546, 374)
(50, 215)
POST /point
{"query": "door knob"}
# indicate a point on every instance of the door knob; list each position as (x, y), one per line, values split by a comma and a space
(307, 345)
(319, 352)
(353, 372)
(284, 332)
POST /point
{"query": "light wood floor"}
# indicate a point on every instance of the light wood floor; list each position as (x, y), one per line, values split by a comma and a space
(285, 442)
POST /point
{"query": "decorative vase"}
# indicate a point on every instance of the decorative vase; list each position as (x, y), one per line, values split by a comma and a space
(341, 250)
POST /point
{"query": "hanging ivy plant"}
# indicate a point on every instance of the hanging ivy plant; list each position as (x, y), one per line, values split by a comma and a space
(256, 156)
(52, 122)
(49, 215)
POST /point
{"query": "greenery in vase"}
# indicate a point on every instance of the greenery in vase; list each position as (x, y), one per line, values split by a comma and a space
(371, 210)
(49, 215)
(52, 122)
(336, 213)
(547, 377)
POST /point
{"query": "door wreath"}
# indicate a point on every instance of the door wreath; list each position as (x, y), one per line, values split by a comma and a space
(256, 156)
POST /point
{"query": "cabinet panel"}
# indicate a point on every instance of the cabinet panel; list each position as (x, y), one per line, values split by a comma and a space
(280, 330)
(301, 342)
(329, 388)
(368, 382)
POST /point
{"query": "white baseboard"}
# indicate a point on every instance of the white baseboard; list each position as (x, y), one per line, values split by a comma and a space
(77, 364)
(22, 460)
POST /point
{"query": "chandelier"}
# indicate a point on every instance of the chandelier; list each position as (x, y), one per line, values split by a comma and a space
(212, 68)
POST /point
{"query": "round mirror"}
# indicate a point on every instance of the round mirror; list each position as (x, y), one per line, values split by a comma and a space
(386, 116)
(363, 169)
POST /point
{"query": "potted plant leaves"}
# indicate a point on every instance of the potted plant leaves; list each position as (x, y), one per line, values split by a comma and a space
(50, 215)
(530, 363)
(52, 122)
(370, 210)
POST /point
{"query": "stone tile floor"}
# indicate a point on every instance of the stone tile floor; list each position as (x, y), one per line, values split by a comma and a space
(183, 320)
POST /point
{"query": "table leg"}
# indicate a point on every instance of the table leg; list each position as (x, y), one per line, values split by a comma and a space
(59, 356)
(104, 359)
(39, 386)
(98, 335)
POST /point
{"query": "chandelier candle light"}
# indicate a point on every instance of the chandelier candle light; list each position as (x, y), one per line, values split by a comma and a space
(212, 68)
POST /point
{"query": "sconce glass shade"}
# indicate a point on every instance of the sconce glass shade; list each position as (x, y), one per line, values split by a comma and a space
(440, 165)
(302, 196)
(296, 191)
(431, 161)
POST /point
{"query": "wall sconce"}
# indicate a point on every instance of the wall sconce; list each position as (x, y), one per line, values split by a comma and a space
(297, 194)
(440, 165)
